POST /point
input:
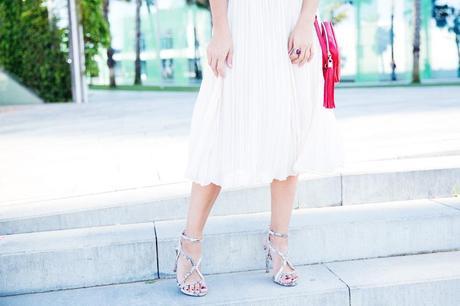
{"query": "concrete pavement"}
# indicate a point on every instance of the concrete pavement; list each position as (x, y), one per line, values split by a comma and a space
(126, 140)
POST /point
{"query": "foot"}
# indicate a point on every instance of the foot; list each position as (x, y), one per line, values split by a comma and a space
(281, 244)
(193, 249)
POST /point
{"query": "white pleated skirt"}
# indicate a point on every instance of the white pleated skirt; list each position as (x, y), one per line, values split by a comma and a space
(265, 119)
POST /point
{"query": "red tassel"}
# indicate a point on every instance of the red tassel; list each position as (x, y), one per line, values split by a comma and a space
(329, 88)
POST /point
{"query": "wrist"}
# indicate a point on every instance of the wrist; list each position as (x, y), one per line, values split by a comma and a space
(221, 28)
(306, 19)
(304, 24)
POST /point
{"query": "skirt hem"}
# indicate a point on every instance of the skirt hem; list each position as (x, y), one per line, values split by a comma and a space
(260, 181)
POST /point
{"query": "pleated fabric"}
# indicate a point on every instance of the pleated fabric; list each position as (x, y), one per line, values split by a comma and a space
(264, 120)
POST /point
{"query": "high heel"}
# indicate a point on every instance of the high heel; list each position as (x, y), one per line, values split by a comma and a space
(195, 267)
(279, 277)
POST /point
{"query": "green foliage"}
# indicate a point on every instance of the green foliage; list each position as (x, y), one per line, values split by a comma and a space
(31, 49)
(35, 50)
(199, 3)
(335, 11)
(96, 33)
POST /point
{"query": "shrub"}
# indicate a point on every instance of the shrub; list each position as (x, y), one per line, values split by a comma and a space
(32, 48)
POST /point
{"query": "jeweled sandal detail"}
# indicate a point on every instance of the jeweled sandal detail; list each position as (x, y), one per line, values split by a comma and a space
(280, 276)
(195, 267)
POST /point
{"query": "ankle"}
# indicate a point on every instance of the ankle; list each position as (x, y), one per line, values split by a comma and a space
(191, 247)
(278, 238)
(193, 234)
(279, 242)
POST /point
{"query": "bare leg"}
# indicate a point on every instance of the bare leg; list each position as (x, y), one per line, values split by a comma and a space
(282, 201)
(201, 201)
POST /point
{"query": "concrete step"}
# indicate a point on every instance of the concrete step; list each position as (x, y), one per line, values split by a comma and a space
(77, 258)
(376, 182)
(234, 243)
(426, 279)
(125, 253)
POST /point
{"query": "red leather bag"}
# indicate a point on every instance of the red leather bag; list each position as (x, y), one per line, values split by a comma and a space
(331, 59)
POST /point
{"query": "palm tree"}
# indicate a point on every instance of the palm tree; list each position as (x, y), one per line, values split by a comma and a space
(456, 30)
(138, 33)
(416, 43)
(392, 42)
(447, 16)
(110, 50)
(137, 62)
(204, 4)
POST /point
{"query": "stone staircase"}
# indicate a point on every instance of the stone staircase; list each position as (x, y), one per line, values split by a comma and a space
(371, 238)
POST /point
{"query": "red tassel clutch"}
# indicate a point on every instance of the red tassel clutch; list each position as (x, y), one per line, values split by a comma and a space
(331, 60)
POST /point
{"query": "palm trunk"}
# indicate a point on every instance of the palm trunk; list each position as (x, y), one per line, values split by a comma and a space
(457, 40)
(392, 41)
(110, 51)
(137, 63)
(416, 43)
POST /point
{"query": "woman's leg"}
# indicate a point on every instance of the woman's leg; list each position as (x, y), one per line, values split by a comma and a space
(282, 201)
(201, 201)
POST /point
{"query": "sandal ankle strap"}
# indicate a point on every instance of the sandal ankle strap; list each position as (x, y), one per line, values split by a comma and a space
(189, 238)
(278, 234)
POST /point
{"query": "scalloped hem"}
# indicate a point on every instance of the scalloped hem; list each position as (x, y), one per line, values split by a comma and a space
(251, 181)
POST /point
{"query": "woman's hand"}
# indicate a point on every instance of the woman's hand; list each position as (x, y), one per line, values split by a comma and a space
(301, 38)
(220, 51)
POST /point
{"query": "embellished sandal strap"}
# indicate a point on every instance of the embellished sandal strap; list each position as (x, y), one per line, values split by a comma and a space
(195, 267)
(280, 273)
(279, 276)
(180, 251)
(192, 239)
(278, 234)
(281, 254)
(290, 264)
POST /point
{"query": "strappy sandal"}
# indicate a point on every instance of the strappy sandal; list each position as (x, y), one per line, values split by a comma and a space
(186, 288)
(280, 276)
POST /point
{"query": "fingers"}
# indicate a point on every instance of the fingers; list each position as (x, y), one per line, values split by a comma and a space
(220, 67)
(306, 54)
(293, 55)
(303, 57)
(230, 58)
(311, 54)
(298, 56)
(213, 65)
(290, 45)
(218, 62)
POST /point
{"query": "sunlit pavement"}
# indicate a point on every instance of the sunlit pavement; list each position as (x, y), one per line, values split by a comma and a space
(122, 140)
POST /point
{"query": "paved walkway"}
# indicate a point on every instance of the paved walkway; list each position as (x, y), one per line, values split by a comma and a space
(125, 140)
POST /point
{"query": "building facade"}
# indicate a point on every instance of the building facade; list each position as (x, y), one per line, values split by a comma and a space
(175, 35)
